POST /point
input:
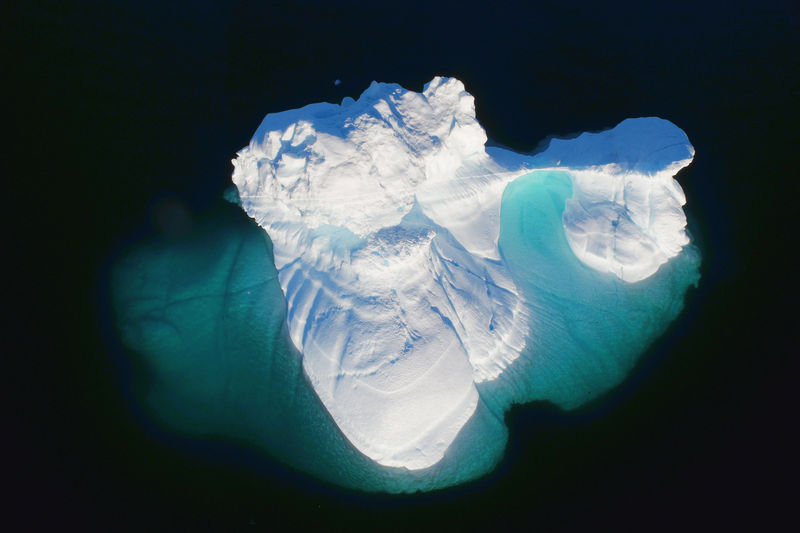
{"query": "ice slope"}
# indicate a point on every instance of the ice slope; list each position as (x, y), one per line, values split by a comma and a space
(385, 218)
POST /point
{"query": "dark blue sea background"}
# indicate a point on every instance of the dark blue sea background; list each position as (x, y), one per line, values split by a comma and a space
(124, 117)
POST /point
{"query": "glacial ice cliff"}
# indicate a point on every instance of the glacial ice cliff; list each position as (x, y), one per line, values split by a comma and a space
(385, 219)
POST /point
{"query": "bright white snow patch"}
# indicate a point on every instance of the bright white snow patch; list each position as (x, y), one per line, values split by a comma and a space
(384, 217)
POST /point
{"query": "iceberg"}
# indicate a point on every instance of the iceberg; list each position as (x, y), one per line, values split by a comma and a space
(412, 283)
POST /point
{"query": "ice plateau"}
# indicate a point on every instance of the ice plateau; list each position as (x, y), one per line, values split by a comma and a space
(384, 215)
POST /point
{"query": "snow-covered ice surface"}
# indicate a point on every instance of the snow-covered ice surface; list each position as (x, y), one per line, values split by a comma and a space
(409, 309)
(403, 285)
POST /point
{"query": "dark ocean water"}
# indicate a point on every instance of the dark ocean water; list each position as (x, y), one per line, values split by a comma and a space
(118, 110)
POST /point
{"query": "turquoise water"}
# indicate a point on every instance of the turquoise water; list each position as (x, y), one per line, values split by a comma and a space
(204, 318)
(587, 328)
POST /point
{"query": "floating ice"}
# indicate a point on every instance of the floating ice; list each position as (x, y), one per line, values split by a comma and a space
(384, 214)
(413, 286)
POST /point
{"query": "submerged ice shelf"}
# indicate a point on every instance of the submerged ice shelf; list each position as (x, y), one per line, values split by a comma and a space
(429, 282)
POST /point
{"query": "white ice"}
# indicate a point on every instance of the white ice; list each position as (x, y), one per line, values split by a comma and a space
(384, 216)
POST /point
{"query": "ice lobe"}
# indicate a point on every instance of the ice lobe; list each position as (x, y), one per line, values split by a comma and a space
(626, 215)
(384, 214)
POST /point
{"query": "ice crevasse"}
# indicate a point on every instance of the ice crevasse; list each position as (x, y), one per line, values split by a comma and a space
(404, 284)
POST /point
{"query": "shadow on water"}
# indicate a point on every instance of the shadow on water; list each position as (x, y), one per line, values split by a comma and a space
(185, 456)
